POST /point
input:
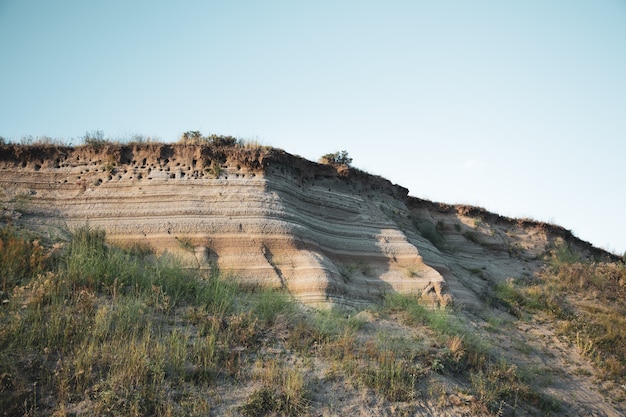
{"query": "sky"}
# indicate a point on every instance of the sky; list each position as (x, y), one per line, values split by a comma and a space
(517, 107)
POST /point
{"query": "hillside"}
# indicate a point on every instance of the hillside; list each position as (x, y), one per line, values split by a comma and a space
(325, 233)
(466, 299)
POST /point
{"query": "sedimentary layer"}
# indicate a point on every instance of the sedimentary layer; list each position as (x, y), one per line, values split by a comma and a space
(264, 216)
(329, 234)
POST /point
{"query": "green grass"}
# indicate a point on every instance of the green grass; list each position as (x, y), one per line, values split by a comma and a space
(498, 384)
(91, 324)
(271, 304)
(283, 391)
(587, 299)
(21, 258)
(125, 332)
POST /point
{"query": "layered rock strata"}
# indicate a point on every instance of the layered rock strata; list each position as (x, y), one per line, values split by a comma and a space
(266, 217)
(328, 234)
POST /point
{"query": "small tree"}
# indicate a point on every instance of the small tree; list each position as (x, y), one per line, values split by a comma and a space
(337, 158)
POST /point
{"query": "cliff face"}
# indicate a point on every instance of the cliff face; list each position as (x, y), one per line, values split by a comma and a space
(325, 233)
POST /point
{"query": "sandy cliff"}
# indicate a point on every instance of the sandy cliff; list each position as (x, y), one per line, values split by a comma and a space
(325, 233)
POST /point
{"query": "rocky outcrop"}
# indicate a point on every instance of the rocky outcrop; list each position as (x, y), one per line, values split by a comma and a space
(328, 234)
(265, 216)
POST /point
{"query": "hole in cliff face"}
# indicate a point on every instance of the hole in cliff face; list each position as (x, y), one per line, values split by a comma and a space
(23, 164)
(143, 162)
(172, 176)
(126, 156)
(37, 167)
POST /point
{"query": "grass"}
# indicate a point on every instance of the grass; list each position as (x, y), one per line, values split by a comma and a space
(283, 391)
(384, 368)
(588, 301)
(97, 139)
(498, 384)
(122, 331)
(21, 258)
(90, 325)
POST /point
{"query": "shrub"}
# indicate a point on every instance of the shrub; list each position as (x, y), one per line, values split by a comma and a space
(194, 137)
(337, 158)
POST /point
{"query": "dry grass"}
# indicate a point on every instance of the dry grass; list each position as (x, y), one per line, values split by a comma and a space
(588, 299)
(99, 329)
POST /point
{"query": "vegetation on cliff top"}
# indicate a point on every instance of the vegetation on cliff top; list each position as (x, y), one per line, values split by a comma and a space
(97, 138)
(336, 158)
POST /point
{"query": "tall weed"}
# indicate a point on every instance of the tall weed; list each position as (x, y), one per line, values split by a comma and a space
(20, 258)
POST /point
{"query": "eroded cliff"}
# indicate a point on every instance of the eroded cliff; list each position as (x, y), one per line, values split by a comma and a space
(326, 233)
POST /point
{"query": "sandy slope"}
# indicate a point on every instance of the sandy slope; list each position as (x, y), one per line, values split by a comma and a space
(330, 235)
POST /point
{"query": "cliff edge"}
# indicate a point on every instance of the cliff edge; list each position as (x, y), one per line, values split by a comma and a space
(326, 233)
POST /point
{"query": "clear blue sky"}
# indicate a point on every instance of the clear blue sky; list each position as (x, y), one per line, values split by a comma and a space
(519, 107)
